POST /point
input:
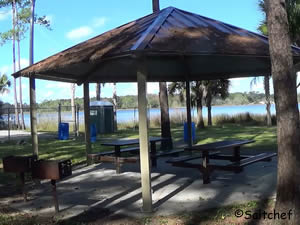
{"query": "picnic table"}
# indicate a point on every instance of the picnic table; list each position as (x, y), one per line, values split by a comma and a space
(213, 151)
(119, 144)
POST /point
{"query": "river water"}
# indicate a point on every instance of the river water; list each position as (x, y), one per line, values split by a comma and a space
(129, 115)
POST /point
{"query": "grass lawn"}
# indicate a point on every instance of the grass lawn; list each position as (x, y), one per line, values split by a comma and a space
(265, 138)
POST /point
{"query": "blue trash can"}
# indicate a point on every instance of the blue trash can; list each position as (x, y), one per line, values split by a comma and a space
(93, 133)
(63, 131)
(185, 132)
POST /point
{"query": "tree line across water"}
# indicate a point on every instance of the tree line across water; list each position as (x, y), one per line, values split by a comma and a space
(130, 101)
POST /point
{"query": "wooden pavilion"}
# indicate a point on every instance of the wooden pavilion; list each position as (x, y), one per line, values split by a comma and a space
(169, 45)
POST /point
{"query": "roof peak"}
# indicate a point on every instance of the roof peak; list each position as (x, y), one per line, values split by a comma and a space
(153, 28)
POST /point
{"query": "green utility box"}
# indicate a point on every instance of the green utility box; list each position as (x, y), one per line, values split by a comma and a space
(102, 114)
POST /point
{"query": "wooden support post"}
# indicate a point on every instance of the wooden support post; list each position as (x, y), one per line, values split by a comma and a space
(117, 159)
(205, 170)
(54, 194)
(153, 154)
(75, 121)
(59, 114)
(33, 118)
(144, 139)
(188, 114)
(78, 122)
(24, 191)
(118, 165)
(236, 154)
(88, 145)
(8, 123)
(237, 157)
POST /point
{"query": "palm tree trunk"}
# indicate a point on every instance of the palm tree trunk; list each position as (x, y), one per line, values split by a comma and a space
(20, 79)
(14, 63)
(20, 90)
(287, 113)
(115, 106)
(73, 87)
(268, 104)
(98, 91)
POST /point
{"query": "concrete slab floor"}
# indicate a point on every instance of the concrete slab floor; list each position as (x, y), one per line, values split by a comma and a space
(175, 190)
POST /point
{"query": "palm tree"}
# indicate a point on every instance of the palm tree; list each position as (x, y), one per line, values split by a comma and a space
(214, 88)
(21, 19)
(98, 91)
(267, 96)
(196, 97)
(293, 13)
(4, 84)
(201, 90)
(264, 30)
(14, 15)
(4, 37)
(21, 29)
(196, 100)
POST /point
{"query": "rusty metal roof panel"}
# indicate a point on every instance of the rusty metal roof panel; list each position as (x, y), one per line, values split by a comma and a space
(170, 30)
(187, 32)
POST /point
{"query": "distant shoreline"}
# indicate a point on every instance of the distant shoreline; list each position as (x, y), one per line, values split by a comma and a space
(203, 106)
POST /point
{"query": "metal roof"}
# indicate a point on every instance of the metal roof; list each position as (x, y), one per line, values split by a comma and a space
(101, 103)
(174, 45)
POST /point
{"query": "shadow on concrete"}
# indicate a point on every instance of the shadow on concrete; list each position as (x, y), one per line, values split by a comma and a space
(96, 192)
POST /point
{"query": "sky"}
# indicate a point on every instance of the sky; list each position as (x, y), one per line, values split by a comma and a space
(73, 22)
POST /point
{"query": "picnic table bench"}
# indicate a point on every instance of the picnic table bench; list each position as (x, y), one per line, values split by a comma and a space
(115, 155)
(213, 150)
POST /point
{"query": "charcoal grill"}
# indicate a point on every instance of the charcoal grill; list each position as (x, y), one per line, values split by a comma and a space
(19, 165)
(40, 169)
(52, 170)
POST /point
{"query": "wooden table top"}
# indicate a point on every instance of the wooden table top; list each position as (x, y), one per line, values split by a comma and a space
(220, 145)
(122, 142)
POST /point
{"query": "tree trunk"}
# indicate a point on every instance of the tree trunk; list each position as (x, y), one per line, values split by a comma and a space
(208, 105)
(199, 96)
(32, 87)
(98, 91)
(285, 94)
(14, 63)
(200, 121)
(268, 104)
(155, 5)
(164, 104)
(115, 106)
(164, 115)
(73, 87)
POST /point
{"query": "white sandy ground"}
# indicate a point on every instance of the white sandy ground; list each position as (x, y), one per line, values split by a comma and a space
(22, 135)
(175, 190)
